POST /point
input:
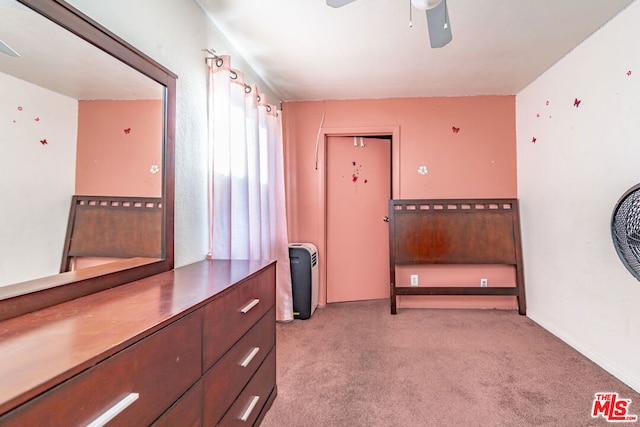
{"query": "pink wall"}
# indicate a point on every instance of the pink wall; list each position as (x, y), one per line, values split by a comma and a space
(479, 160)
(119, 143)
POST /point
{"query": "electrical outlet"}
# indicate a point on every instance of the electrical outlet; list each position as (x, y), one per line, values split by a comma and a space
(414, 280)
(484, 283)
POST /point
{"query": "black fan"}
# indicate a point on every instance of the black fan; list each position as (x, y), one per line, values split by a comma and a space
(625, 230)
(437, 18)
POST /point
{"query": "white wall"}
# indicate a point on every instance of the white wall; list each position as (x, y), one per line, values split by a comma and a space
(569, 181)
(174, 32)
(34, 203)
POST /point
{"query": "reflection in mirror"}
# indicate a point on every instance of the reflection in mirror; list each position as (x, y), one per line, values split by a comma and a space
(73, 120)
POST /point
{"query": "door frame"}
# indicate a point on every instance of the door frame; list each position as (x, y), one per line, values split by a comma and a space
(325, 133)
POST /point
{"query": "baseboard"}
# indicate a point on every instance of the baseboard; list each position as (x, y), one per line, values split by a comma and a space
(615, 370)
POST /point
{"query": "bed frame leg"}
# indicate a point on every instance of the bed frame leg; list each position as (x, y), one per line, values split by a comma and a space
(393, 300)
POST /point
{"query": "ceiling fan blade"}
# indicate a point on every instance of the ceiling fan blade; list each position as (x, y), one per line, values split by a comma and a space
(439, 25)
(338, 3)
(8, 50)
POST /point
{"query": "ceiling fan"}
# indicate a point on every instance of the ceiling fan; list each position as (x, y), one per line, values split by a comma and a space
(437, 18)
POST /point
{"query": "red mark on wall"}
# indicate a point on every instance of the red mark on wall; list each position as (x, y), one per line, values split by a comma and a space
(356, 172)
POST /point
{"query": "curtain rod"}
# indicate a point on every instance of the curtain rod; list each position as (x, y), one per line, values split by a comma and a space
(219, 61)
(234, 74)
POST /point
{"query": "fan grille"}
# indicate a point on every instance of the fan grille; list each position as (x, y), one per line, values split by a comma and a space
(625, 230)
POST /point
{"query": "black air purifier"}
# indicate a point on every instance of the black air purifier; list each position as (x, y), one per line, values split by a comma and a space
(304, 279)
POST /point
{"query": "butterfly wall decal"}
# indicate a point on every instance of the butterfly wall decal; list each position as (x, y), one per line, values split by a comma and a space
(576, 103)
(455, 129)
(43, 142)
(127, 131)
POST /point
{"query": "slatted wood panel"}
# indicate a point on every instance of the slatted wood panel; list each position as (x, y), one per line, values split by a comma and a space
(455, 231)
(113, 227)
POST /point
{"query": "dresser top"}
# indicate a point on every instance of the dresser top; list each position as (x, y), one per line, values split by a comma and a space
(43, 348)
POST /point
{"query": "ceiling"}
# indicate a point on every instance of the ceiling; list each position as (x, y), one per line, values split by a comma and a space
(305, 50)
(55, 59)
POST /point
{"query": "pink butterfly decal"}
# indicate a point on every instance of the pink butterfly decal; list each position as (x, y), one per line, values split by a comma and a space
(629, 73)
(19, 108)
(576, 103)
(455, 129)
(547, 103)
(366, 180)
(127, 131)
(43, 142)
(37, 119)
(538, 115)
(355, 178)
(534, 139)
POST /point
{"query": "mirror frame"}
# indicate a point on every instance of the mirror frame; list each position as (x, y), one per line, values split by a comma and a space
(25, 297)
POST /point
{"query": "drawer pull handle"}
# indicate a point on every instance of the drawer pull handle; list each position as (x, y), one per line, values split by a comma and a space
(247, 412)
(110, 413)
(250, 357)
(249, 306)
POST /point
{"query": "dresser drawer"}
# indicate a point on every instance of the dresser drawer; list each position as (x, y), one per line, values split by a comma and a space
(186, 412)
(250, 403)
(150, 375)
(226, 379)
(227, 318)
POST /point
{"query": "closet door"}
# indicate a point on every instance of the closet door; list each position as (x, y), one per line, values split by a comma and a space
(358, 190)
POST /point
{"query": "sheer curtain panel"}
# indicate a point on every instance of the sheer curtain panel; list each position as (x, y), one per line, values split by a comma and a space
(247, 217)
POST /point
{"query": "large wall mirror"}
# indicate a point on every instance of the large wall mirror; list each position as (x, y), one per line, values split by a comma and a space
(82, 113)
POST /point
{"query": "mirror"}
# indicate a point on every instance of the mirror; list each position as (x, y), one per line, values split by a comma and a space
(83, 113)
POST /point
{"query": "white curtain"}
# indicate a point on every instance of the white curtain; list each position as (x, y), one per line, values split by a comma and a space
(247, 216)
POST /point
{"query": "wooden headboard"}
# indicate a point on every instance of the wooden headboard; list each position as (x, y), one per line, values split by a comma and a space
(113, 227)
(455, 231)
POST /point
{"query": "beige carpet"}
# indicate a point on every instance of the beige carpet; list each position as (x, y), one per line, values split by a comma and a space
(353, 364)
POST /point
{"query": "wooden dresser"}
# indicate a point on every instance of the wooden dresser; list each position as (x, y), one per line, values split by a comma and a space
(191, 347)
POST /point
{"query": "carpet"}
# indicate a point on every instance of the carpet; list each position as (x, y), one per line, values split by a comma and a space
(354, 364)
